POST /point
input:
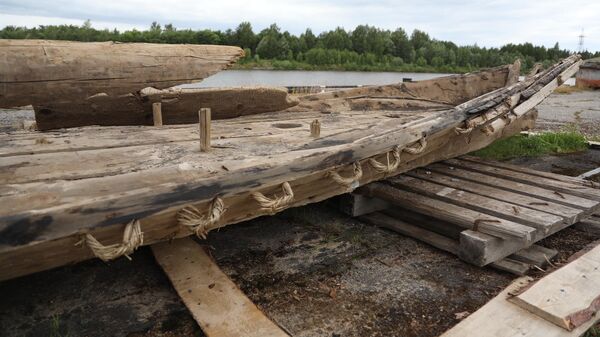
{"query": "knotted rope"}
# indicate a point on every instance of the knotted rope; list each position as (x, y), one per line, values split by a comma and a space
(277, 202)
(389, 166)
(350, 181)
(132, 239)
(199, 223)
(419, 148)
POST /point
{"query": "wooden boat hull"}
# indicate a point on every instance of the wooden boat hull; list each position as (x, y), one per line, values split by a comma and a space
(41, 71)
(53, 191)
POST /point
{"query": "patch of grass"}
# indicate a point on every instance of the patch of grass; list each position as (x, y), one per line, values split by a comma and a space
(593, 332)
(534, 145)
(55, 328)
(567, 89)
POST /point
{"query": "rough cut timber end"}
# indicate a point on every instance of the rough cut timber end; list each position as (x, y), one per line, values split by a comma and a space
(38, 71)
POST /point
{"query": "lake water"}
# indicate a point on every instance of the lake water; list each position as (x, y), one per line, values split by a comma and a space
(293, 78)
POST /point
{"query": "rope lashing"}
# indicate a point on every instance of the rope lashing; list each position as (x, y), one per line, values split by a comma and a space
(199, 223)
(469, 126)
(389, 166)
(275, 204)
(418, 148)
(132, 239)
(349, 181)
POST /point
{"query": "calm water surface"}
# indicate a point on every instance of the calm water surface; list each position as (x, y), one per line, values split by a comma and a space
(232, 78)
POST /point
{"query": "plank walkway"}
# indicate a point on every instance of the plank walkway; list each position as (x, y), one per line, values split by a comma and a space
(486, 212)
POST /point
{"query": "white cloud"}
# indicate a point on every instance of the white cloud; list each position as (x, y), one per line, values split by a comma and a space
(490, 23)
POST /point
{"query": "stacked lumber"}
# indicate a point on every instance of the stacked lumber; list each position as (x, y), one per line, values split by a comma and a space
(42, 71)
(59, 187)
(482, 211)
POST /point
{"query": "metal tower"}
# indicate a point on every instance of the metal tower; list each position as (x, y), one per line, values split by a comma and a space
(581, 37)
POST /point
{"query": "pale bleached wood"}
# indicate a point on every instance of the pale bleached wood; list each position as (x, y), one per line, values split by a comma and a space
(215, 302)
(466, 218)
(518, 201)
(523, 188)
(41, 71)
(570, 296)
(540, 220)
(547, 183)
(157, 114)
(500, 318)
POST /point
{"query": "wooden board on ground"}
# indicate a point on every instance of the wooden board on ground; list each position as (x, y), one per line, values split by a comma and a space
(41, 71)
(179, 106)
(215, 302)
(570, 296)
(500, 318)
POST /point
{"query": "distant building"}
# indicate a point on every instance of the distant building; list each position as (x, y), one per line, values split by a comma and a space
(588, 75)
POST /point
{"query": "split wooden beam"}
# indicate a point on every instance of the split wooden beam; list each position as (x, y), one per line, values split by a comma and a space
(42, 71)
(216, 303)
(157, 114)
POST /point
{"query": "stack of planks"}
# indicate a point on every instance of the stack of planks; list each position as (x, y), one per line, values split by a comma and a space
(483, 211)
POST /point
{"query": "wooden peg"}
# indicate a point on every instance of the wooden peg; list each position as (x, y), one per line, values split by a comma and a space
(204, 124)
(157, 114)
(315, 129)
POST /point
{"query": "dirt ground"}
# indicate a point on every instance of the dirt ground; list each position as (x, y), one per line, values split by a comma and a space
(313, 270)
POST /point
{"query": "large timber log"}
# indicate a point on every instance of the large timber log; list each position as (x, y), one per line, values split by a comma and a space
(179, 106)
(39, 71)
(56, 187)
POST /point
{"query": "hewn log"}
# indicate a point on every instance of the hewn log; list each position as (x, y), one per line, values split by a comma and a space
(179, 106)
(41, 71)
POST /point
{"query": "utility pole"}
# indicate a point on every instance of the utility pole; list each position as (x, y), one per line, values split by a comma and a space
(581, 37)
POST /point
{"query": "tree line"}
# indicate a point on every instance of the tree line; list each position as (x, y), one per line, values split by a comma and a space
(364, 48)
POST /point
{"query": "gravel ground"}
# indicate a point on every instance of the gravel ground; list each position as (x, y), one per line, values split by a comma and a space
(580, 109)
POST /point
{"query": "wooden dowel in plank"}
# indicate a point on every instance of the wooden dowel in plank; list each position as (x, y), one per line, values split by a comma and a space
(204, 124)
(157, 113)
(315, 128)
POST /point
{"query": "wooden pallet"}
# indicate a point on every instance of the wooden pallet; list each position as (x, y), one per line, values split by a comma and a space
(483, 211)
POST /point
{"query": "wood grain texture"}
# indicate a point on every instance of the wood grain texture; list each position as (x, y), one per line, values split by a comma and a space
(179, 106)
(41, 71)
(500, 318)
(569, 296)
(107, 176)
(215, 302)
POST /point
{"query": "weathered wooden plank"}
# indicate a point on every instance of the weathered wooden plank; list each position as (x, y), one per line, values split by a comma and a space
(568, 297)
(500, 318)
(511, 266)
(537, 219)
(518, 201)
(405, 228)
(39, 71)
(356, 205)
(551, 184)
(215, 302)
(179, 106)
(461, 216)
(535, 255)
(544, 174)
(519, 187)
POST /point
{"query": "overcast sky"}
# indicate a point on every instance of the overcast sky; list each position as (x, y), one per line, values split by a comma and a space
(492, 23)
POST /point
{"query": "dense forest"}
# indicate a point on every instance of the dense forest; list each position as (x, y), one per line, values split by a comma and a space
(364, 48)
